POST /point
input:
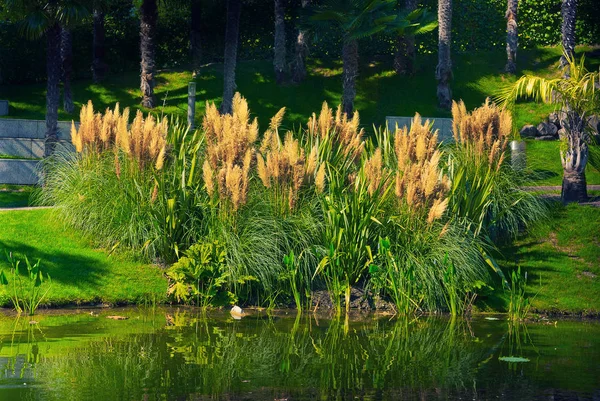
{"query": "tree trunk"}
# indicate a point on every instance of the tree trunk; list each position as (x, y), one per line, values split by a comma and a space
(350, 58)
(444, 67)
(148, 18)
(53, 37)
(404, 60)
(574, 158)
(99, 49)
(279, 48)
(300, 51)
(234, 8)
(66, 56)
(569, 16)
(574, 187)
(196, 37)
(511, 36)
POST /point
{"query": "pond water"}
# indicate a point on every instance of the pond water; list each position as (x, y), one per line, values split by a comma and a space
(170, 354)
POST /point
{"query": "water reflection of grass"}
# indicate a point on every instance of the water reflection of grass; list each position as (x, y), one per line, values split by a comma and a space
(181, 355)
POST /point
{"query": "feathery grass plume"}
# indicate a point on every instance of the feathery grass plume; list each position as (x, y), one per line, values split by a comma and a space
(339, 129)
(373, 168)
(230, 140)
(144, 140)
(320, 179)
(486, 130)
(420, 182)
(282, 166)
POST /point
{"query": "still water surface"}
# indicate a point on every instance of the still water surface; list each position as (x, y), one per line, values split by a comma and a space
(168, 354)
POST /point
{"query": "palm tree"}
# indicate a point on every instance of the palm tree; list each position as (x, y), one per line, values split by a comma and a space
(300, 50)
(405, 47)
(577, 98)
(196, 36)
(98, 48)
(279, 48)
(444, 68)
(511, 36)
(234, 8)
(358, 19)
(148, 19)
(41, 18)
(569, 16)
(66, 58)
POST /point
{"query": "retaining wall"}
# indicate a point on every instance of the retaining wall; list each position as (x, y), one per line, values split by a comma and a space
(443, 125)
(25, 138)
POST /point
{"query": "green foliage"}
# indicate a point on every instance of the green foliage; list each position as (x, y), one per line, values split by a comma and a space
(201, 275)
(352, 224)
(291, 274)
(519, 305)
(27, 293)
(396, 281)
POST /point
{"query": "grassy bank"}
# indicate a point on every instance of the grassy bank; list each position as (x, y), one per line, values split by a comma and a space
(562, 261)
(80, 274)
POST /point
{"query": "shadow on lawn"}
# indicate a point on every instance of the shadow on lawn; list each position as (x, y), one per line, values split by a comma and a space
(68, 268)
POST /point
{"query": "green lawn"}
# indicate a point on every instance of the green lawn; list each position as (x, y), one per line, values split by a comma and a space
(79, 273)
(562, 261)
(380, 92)
(543, 160)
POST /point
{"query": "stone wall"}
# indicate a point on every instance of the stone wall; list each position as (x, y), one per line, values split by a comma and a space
(25, 139)
(443, 125)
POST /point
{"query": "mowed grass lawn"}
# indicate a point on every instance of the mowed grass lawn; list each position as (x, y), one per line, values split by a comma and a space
(562, 259)
(380, 92)
(79, 273)
(545, 168)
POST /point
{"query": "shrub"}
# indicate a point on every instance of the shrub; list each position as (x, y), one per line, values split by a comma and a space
(253, 218)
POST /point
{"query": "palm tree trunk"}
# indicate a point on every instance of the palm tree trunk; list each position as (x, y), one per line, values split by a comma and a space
(99, 49)
(574, 159)
(279, 48)
(66, 56)
(148, 18)
(511, 36)
(404, 60)
(234, 8)
(350, 59)
(300, 51)
(444, 67)
(569, 16)
(53, 38)
(196, 37)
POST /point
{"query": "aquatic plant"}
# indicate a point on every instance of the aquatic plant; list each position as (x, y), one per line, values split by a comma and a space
(26, 294)
(519, 304)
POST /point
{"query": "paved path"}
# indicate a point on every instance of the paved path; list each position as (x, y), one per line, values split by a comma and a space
(550, 188)
(9, 209)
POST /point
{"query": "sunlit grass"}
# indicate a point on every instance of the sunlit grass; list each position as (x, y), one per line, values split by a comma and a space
(380, 92)
(79, 273)
(562, 259)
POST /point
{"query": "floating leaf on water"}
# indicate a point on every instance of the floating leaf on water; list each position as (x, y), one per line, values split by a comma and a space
(517, 359)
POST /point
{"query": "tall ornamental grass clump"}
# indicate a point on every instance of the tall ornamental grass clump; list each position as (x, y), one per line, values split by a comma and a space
(267, 218)
(107, 187)
(486, 191)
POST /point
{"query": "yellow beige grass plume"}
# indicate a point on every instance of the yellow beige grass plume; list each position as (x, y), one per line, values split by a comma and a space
(230, 151)
(420, 182)
(485, 131)
(144, 140)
